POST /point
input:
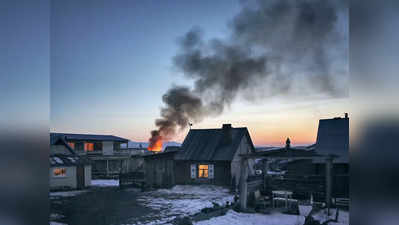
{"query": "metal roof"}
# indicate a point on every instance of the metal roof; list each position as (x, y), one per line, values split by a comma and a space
(171, 149)
(67, 160)
(210, 145)
(333, 138)
(86, 137)
(71, 159)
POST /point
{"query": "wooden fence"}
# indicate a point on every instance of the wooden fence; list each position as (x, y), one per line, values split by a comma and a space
(304, 186)
(131, 179)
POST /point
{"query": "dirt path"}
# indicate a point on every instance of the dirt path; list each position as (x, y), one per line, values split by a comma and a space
(100, 206)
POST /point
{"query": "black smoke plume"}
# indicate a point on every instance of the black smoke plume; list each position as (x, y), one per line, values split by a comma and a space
(275, 48)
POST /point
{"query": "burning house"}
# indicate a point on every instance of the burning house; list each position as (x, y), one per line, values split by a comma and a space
(207, 156)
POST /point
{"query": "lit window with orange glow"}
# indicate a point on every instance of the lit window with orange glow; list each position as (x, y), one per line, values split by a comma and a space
(71, 144)
(89, 147)
(59, 172)
(203, 171)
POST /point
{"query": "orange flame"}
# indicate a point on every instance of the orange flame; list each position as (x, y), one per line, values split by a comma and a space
(155, 144)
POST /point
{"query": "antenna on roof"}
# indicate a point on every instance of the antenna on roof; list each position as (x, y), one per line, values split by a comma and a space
(190, 124)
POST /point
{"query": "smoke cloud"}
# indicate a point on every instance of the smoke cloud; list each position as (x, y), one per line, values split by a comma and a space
(275, 47)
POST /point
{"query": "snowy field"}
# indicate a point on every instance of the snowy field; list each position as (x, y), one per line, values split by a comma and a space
(235, 218)
(105, 183)
(181, 200)
(66, 193)
(56, 223)
(163, 205)
(343, 218)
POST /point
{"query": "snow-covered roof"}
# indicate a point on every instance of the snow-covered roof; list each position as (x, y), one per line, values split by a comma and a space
(67, 160)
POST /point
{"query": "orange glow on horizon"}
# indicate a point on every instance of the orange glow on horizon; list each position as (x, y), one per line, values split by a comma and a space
(277, 137)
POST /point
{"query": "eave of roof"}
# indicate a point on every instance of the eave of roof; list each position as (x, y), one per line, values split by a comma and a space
(88, 137)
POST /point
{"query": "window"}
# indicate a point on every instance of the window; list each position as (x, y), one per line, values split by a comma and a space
(98, 146)
(89, 147)
(71, 144)
(59, 172)
(117, 145)
(203, 171)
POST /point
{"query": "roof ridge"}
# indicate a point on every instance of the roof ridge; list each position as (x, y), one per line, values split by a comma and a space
(217, 128)
(83, 134)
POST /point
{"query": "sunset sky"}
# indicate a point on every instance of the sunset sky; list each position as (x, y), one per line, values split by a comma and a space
(111, 62)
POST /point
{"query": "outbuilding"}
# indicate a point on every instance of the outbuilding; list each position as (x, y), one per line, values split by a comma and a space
(67, 170)
(207, 156)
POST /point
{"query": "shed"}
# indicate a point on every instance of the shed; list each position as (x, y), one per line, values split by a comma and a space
(67, 170)
(207, 156)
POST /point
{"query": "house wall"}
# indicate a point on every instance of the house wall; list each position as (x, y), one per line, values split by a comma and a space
(60, 182)
(244, 148)
(59, 149)
(221, 173)
(87, 175)
(108, 147)
(159, 171)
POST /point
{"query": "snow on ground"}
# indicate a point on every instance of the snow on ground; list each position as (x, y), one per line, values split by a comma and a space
(182, 200)
(304, 210)
(343, 216)
(105, 183)
(56, 216)
(57, 223)
(66, 193)
(235, 218)
(187, 199)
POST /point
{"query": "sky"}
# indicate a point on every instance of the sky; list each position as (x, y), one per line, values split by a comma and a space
(111, 62)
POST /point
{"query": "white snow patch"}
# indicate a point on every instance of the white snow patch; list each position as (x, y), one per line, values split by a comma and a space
(105, 183)
(304, 210)
(66, 193)
(271, 172)
(58, 160)
(183, 200)
(235, 218)
(57, 223)
(56, 216)
(343, 216)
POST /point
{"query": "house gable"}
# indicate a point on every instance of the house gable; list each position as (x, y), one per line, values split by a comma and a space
(211, 144)
(245, 147)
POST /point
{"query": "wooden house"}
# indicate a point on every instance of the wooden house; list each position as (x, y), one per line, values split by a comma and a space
(105, 152)
(207, 156)
(67, 169)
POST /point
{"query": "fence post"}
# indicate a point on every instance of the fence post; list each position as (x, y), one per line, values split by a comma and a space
(329, 162)
(265, 175)
(243, 183)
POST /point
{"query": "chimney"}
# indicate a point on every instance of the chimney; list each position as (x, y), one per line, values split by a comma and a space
(227, 136)
(287, 144)
(226, 126)
(346, 115)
